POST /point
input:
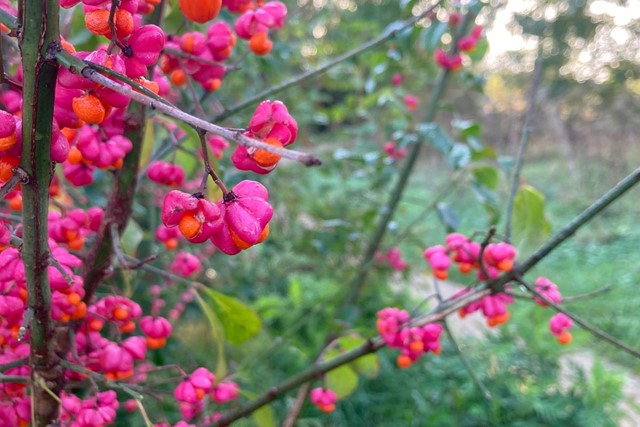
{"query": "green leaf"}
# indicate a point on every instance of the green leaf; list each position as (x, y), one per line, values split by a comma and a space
(436, 136)
(192, 143)
(295, 291)
(263, 417)
(368, 365)
(480, 51)
(148, 143)
(239, 321)
(487, 176)
(131, 238)
(530, 225)
(349, 342)
(484, 153)
(343, 381)
(217, 333)
(466, 127)
(433, 34)
(447, 217)
(488, 200)
(459, 156)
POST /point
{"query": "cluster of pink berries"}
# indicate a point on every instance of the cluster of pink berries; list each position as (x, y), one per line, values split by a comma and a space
(393, 257)
(394, 151)
(236, 222)
(93, 103)
(241, 218)
(206, 52)
(186, 264)
(560, 323)
(74, 226)
(166, 173)
(411, 103)
(324, 399)
(123, 358)
(271, 123)
(98, 410)
(453, 61)
(493, 307)
(194, 390)
(496, 257)
(394, 329)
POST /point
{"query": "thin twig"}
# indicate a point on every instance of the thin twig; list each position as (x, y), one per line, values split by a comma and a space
(208, 169)
(13, 379)
(24, 325)
(43, 384)
(14, 364)
(297, 405)
(526, 129)
(9, 20)
(112, 27)
(588, 295)
(483, 247)
(143, 412)
(55, 264)
(179, 53)
(573, 298)
(194, 95)
(10, 82)
(10, 217)
(134, 84)
(590, 328)
(99, 378)
(463, 357)
(117, 249)
(19, 176)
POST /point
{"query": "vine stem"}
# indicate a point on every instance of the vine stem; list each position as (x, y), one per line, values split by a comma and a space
(389, 34)
(526, 130)
(75, 65)
(39, 29)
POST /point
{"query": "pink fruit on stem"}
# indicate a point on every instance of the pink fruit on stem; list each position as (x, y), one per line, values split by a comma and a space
(244, 219)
